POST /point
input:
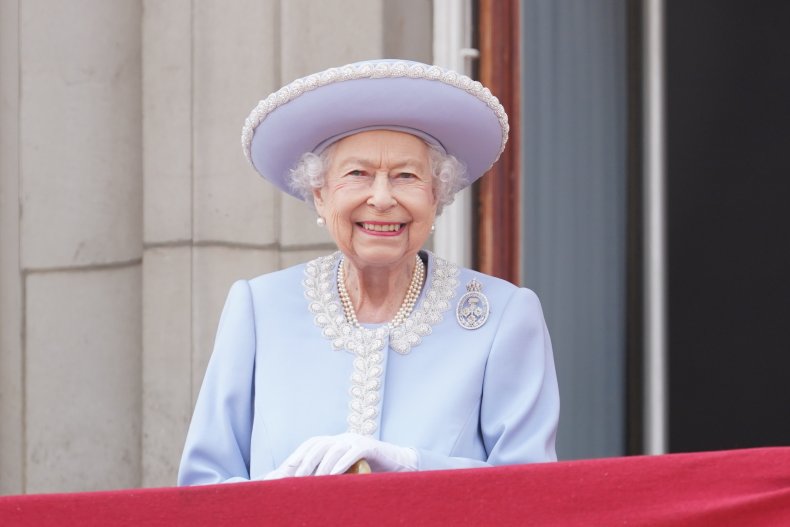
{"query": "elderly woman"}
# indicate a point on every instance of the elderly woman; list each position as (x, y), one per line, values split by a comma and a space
(381, 351)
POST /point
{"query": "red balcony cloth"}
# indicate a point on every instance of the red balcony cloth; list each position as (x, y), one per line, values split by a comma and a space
(740, 487)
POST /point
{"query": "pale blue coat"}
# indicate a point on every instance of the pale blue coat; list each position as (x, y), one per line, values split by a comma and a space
(462, 398)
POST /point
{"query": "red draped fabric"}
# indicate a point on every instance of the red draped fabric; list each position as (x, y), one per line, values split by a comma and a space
(739, 488)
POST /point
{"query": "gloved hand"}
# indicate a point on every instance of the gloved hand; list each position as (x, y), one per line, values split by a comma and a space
(325, 455)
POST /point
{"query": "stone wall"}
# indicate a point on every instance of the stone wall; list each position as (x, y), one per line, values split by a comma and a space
(127, 210)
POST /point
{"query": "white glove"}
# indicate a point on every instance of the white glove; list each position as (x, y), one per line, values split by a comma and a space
(324, 455)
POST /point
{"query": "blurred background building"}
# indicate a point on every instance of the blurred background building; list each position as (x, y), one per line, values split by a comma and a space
(643, 196)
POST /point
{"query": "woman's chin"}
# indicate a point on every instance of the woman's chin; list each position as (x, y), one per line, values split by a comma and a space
(379, 256)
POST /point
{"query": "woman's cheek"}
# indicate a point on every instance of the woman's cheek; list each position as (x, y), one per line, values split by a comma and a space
(339, 185)
(340, 228)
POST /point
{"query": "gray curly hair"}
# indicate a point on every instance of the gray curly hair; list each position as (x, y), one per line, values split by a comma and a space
(449, 175)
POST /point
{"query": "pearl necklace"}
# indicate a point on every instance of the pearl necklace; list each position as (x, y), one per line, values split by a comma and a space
(406, 307)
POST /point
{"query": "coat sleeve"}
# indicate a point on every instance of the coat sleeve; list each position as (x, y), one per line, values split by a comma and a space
(520, 403)
(218, 442)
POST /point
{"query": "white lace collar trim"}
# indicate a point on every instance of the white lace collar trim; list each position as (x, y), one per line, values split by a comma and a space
(368, 343)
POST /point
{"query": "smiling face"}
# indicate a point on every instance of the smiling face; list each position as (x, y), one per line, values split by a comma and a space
(378, 199)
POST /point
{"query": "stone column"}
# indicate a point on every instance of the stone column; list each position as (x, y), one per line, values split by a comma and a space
(11, 362)
(208, 219)
(73, 350)
(167, 260)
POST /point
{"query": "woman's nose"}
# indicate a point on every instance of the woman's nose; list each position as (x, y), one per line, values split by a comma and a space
(381, 196)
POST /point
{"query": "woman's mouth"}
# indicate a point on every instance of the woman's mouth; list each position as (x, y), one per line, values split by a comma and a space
(378, 228)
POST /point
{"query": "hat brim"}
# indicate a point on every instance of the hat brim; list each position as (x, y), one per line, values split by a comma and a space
(464, 119)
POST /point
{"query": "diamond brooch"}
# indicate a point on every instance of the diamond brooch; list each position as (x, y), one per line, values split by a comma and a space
(472, 310)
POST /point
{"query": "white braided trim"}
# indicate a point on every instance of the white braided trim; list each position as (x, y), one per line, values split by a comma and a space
(370, 70)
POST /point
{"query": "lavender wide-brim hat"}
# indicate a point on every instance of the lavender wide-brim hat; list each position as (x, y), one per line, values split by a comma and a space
(443, 107)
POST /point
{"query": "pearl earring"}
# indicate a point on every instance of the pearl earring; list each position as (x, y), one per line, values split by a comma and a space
(320, 221)
(433, 228)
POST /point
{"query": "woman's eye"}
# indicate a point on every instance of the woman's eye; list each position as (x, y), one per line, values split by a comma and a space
(356, 173)
(406, 175)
